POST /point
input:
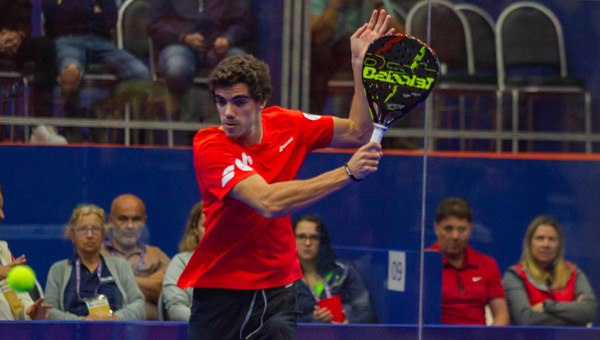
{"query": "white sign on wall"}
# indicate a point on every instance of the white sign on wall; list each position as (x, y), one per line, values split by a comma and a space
(396, 270)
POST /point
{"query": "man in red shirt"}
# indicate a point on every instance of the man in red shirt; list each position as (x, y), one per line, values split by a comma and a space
(470, 279)
(245, 266)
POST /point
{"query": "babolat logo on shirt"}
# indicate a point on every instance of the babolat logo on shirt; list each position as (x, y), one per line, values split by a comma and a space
(377, 68)
(243, 164)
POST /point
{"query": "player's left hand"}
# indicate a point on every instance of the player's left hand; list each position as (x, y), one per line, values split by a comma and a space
(375, 28)
(365, 160)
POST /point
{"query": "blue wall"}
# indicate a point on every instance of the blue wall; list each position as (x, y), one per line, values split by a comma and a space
(43, 184)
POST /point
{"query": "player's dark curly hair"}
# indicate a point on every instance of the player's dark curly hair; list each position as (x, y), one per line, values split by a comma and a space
(326, 257)
(242, 69)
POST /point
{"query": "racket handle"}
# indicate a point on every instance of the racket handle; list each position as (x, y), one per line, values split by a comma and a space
(378, 131)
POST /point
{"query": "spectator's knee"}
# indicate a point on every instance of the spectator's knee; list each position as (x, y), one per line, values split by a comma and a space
(140, 73)
(69, 77)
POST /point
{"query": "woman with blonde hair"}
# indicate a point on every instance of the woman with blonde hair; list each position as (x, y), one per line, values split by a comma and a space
(91, 286)
(544, 288)
(176, 302)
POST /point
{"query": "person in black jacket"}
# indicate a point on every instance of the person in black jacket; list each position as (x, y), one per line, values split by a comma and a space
(17, 48)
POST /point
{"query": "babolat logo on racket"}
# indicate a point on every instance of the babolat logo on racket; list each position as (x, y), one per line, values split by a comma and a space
(377, 68)
(399, 72)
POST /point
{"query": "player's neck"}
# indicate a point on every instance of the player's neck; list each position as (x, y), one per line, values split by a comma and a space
(253, 135)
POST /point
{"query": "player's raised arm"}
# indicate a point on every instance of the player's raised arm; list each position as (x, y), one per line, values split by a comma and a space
(285, 198)
(357, 129)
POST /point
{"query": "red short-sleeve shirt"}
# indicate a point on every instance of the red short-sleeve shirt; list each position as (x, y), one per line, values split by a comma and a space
(466, 290)
(240, 248)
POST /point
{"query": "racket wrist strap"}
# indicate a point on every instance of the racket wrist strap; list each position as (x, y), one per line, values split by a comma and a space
(350, 173)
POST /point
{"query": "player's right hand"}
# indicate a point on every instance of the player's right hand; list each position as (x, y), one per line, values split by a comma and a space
(365, 160)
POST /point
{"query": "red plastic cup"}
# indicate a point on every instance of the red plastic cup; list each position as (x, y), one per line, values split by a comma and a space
(334, 304)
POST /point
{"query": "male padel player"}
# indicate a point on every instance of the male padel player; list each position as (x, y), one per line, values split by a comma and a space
(244, 268)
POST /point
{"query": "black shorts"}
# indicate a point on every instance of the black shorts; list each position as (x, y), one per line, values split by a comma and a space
(231, 314)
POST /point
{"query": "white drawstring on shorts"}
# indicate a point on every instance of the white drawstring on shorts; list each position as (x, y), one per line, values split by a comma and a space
(250, 313)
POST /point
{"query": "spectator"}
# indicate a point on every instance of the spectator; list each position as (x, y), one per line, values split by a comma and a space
(544, 289)
(128, 219)
(17, 48)
(194, 34)
(23, 307)
(470, 279)
(82, 30)
(332, 22)
(178, 302)
(90, 277)
(323, 277)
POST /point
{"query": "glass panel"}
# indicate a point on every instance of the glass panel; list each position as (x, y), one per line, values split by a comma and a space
(537, 113)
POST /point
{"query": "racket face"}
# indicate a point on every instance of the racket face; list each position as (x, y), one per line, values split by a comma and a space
(399, 72)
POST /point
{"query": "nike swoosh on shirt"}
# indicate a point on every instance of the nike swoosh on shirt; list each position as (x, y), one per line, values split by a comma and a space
(477, 278)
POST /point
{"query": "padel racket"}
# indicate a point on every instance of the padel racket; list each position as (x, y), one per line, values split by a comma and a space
(399, 72)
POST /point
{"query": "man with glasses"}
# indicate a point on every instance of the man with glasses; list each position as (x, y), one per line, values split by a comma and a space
(470, 279)
(127, 220)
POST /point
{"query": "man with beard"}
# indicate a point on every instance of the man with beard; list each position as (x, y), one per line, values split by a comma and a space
(127, 220)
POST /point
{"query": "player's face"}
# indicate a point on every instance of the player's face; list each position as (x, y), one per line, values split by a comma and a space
(128, 219)
(88, 234)
(544, 245)
(453, 235)
(307, 240)
(239, 113)
(1, 205)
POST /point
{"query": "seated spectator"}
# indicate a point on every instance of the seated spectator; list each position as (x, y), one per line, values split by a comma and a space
(127, 220)
(178, 302)
(544, 289)
(17, 48)
(82, 30)
(21, 308)
(332, 22)
(189, 35)
(89, 277)
(470, 279)
(325, 277)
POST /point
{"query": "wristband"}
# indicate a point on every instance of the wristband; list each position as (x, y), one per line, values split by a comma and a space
(350, 173)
